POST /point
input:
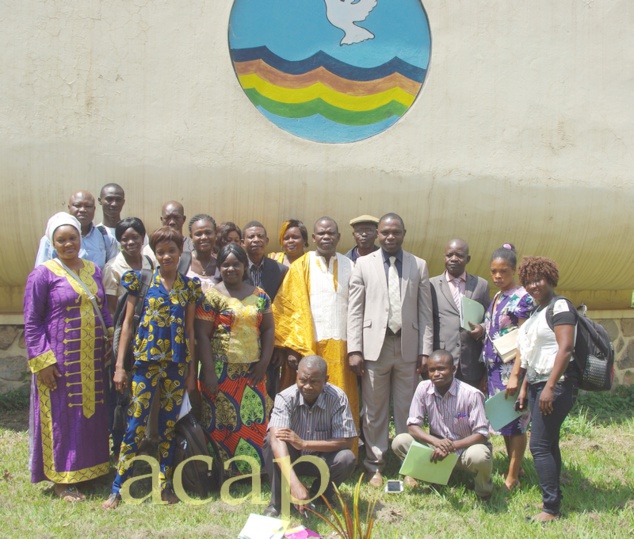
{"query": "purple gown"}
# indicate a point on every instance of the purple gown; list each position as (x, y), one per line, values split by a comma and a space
(68, 427)
(512, 305)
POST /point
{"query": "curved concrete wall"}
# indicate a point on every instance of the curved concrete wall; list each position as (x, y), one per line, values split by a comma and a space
(522, 132)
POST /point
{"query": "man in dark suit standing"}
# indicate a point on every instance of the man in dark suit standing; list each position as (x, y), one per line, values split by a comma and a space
(389, 336)
(447, 291)
(268, 275)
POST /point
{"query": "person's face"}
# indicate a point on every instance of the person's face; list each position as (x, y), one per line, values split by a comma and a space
(391, 235)
(292, 242)
(441, 371)
(173, 217)
(364, 235)
(82, 206)
(540, 290)
(234, 237)
(167, 254)
(255, 241)
(203, 236)
(456, 259)
(310, 383)
(131, 242)
(112, 201)
(502, 274)
(326, 238)
(67, 242)
(232, 270)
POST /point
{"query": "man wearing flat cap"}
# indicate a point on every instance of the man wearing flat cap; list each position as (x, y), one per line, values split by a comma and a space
(364, 232)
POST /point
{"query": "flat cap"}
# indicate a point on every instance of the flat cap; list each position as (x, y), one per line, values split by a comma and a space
(364, 219)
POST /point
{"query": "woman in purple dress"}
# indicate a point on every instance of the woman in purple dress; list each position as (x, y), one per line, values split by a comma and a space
(510, 307)
(66, 346)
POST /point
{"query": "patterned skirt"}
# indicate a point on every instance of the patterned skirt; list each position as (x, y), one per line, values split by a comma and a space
(237, 417)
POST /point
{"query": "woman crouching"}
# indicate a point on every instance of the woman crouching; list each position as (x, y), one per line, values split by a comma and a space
(163, 348)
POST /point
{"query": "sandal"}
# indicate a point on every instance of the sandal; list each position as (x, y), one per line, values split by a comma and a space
(112, 502)
(68, 493)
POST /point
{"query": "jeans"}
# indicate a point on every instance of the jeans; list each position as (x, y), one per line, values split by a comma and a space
(544, 441)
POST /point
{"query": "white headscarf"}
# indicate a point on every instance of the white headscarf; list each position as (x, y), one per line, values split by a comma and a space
(61, 219)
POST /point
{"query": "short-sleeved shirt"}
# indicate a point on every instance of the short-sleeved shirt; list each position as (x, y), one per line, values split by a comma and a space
(161, 333)
(455, 415)
(236, 337)
(329, 418)
(115, 269)
(537, 341)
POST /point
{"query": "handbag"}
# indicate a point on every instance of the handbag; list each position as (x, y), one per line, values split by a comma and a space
(506, 346)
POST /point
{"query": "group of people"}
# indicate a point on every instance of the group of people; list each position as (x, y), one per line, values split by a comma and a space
(294, 353)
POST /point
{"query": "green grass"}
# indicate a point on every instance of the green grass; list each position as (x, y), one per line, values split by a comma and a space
(598, 484)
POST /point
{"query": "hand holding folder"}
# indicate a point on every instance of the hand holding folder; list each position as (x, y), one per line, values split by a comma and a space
(418, 464)
(500, 411)
(471, 311)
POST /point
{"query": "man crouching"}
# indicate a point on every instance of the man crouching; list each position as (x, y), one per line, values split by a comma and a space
(311, 418)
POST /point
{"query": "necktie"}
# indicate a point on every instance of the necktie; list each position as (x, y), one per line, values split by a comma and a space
(394, 293)
(456, 292)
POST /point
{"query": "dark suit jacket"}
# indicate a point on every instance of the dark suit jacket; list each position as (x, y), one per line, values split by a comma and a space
(272, 276)
(448, 335)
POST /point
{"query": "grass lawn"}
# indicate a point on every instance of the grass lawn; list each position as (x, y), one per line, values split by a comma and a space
(598, 485)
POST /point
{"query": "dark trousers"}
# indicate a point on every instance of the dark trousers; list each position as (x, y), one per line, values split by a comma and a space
(340, 463)
(544, 442)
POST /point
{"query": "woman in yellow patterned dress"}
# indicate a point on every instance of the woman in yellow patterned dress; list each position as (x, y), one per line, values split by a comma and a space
(235, 336)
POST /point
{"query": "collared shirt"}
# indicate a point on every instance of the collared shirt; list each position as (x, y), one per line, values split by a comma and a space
(455, 415)
(399, 262)
(329, 418)
(462, 285)
(95, 246)
(353, 253)
(255, 272)
(114, 270)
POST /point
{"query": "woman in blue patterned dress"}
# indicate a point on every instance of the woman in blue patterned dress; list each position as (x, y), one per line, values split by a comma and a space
(510, 307)
(163, 348)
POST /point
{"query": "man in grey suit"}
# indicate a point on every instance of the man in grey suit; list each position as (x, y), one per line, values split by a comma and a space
(389, 335)
(447, 291)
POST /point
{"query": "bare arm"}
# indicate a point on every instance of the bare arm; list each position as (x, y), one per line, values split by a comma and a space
(565, 335)
(267, 342)
(203, 330)
(127, 331)
(514, 379)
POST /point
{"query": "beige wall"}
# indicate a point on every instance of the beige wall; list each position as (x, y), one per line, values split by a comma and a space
(523, 132)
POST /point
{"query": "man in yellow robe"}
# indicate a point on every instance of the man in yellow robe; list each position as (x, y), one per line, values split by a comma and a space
(311, 310)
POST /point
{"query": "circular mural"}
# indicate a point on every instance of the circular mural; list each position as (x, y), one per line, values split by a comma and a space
(330, 70)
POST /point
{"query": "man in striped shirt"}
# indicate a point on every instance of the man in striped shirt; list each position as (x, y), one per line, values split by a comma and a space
(457, 423)
(312, 418)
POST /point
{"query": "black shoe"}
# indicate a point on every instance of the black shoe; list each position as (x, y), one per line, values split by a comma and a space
(271, 511)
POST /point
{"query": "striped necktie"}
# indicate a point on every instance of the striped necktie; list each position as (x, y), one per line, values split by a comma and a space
(394, 293)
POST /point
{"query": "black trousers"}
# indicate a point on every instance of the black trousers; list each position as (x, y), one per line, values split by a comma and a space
(340, 463)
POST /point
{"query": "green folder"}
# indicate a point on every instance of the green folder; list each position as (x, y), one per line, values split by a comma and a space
(471, 311)
(500, 411)
(418, 464)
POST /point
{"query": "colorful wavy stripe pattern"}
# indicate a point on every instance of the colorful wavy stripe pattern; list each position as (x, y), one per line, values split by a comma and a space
(322, 85)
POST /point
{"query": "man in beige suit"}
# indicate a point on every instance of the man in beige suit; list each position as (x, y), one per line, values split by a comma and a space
(389, 335)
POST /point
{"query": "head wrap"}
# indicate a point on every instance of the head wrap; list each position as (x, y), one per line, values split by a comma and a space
(60, 219)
